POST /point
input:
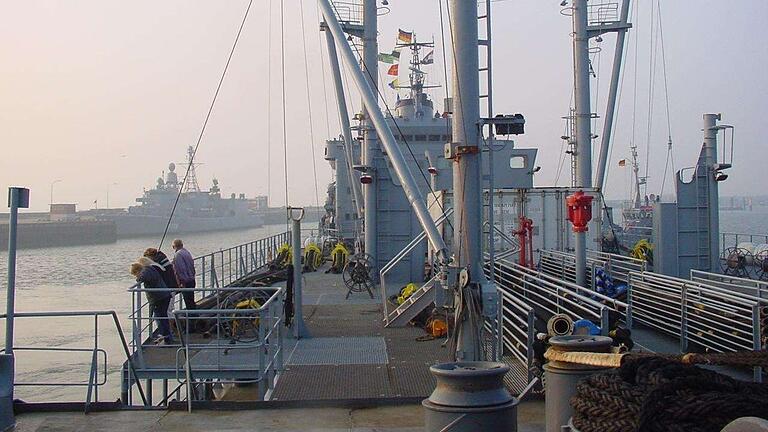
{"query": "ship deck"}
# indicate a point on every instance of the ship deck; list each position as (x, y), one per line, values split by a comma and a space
(349, 354)
(401, 418)
(351, 374)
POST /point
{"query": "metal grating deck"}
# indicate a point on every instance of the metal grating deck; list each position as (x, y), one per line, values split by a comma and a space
(339, 351)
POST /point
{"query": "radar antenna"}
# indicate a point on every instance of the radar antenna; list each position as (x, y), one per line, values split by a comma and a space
(190, 184)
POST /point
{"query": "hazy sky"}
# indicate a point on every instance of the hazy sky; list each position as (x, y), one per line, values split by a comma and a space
(102, 94)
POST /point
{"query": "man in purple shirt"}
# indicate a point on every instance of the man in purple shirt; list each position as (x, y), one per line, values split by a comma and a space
(184, 265)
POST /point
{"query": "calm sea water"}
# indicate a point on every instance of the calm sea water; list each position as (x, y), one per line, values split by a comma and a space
(96, 278)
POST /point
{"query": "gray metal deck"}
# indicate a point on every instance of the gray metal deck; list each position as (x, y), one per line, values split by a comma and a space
(350, 354)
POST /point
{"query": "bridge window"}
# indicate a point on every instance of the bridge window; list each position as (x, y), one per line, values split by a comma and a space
(434, 137)
(517, 162)
(420, 137)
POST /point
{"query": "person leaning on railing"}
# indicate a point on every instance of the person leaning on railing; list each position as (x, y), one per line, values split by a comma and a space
(184, 265)
(158, 296)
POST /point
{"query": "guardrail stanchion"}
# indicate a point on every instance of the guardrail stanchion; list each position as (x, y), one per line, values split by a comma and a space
(756, 340)
(629, 302)
(684, 319)
(605, 321)
(531, 322)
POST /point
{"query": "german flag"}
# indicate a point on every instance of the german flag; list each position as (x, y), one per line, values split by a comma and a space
(404, 36)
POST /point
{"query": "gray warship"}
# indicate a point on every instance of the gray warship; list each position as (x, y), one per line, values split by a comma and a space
(193, 209)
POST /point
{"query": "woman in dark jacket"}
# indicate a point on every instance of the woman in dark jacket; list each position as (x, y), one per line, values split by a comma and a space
(169, 276)
(149, 275)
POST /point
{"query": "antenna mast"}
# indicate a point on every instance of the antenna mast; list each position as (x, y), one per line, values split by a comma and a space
(191, 185)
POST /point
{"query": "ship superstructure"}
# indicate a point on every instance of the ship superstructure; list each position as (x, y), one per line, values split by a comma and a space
(193, 209)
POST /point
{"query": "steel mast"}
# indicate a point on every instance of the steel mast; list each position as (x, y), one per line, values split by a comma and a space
(583, 116)
(467, 242)
(618, 58)
(371, 152)
(346, 130)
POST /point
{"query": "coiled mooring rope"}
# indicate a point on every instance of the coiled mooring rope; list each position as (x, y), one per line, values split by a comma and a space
(651, 393)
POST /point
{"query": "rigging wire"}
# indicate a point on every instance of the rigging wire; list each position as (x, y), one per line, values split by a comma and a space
(445, 61)
(634, 96)
(619, 96)
(205, 122)
(670, 157)
(269, 105)
(309, 109)
(651, 91)
(282, 88)
(325, 76)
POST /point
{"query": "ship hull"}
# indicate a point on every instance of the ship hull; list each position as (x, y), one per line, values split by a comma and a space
(146, 225)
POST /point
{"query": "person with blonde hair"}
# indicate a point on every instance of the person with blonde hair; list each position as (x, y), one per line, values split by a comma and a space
(158, 295)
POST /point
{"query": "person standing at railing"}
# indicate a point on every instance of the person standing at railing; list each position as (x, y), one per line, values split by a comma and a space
(166, 271)
(158, 295)
(184, 265)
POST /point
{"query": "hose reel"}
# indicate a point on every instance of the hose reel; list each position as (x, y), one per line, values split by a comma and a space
(560, 325)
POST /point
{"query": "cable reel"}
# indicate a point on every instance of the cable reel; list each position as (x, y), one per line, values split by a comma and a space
(357, 274)
(761, 262)
(734, 262)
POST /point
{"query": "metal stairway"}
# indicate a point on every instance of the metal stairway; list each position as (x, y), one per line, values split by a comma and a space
(413, 305)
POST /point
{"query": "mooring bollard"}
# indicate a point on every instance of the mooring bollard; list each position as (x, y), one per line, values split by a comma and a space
(562, 377)
(470, 396)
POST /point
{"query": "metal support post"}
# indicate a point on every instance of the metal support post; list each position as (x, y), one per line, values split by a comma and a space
(710, 146)
(684, 319)
(583, 127)
(346, 130)
(295, 215)
(467, 188)
(618, 58)
(17, 198)
(756, 341)
(370, 143)
(399, 166)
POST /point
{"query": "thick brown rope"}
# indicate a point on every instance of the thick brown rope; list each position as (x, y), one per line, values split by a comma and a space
(652, 393)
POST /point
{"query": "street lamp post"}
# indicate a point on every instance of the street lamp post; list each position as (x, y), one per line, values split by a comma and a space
(53, 183)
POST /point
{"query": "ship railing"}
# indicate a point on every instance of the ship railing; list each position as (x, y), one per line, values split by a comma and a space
(708, 314)
(617, 266)
(349, 11)
(234, 335)
(247, 347)
(632, 235)
(505, 248)
(549, 295)
(735, 285)
(730, 239)
(514, 327)
(96, 354)
(563, 265)
(228, 266)
(603, 13)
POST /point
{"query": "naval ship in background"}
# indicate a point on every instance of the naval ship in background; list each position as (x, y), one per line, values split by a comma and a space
(193, 209)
